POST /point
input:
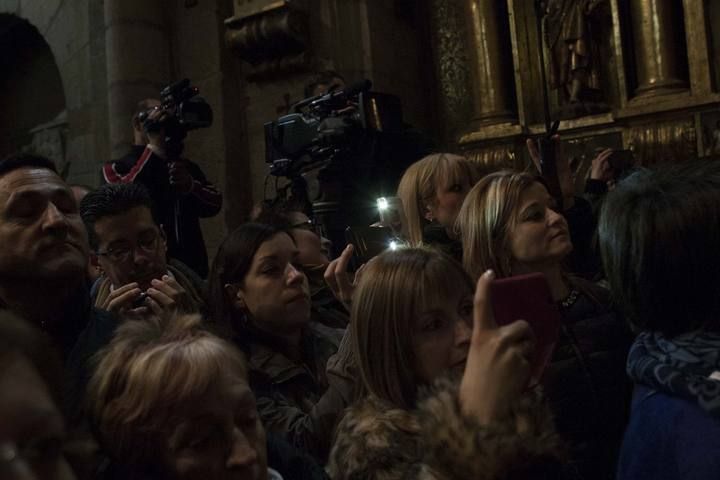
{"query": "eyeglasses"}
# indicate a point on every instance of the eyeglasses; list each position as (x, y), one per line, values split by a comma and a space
(147, 244)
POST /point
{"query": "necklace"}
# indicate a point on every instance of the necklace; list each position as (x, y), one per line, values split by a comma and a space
(570, 300)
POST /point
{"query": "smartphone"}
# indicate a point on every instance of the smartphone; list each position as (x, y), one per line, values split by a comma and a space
(528, 297)
(370, 241)
(140, 300)
(391, 213)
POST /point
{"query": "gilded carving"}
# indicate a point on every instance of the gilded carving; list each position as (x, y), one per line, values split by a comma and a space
(273, 40)
(572, 29)
(674, 141)
(451, 62)
(496, 157)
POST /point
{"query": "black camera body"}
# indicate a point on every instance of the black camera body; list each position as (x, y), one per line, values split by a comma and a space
(319, 129)
(186, 111)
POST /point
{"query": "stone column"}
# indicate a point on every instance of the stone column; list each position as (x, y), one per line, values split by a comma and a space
(138, 63)
(489, 51)
(659, 46)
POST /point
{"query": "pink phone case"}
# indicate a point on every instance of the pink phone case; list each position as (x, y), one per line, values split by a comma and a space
(527, 297)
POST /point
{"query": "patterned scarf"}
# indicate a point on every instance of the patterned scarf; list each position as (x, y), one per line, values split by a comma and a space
(682, 366)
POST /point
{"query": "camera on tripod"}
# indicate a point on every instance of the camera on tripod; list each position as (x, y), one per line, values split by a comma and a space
(318, 129)
(186, 111)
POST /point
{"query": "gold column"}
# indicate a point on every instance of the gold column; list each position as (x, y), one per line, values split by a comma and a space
(489, 51)
(659, 46)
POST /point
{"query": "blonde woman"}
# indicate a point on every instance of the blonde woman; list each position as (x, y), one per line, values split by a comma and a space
(431, 191)
(171, 400)
(510, 223)
(416, 319)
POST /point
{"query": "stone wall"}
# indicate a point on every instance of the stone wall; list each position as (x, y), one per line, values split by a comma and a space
(386, 42)
(74, 32)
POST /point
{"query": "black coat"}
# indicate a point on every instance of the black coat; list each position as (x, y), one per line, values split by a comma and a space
(586, 385)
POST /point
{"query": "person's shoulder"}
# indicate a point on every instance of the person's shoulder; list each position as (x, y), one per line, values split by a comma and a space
(373, 439)
(663, 412)
(187, 277)
(289, 462)
(328, 337)
(598, 293)
(669, 437)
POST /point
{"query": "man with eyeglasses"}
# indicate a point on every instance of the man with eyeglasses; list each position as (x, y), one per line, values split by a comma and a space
(130, 248)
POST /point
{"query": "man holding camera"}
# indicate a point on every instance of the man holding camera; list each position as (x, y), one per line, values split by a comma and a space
(178, 187)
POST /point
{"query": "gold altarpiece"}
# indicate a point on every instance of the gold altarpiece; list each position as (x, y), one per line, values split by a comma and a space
(655, 77)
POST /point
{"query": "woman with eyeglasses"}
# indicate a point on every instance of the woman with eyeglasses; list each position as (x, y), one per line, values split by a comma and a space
(261, 299)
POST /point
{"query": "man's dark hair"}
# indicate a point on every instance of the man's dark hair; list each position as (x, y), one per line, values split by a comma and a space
(659, 236)
(110, 200)
(321, 78)
(24, 160)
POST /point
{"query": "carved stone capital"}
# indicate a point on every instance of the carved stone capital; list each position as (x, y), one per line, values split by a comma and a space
(272, 36)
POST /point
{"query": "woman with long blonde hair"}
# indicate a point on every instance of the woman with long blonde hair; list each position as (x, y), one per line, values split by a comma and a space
(509, 223)
(431, 192)
(417, 323)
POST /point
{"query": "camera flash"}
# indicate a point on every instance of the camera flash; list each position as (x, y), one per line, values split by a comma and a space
(393, 245)
(382, 203)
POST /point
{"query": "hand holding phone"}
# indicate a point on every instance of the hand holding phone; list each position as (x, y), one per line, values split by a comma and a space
(497, 367)
(140, 300)
(528, 297)
(369, 242)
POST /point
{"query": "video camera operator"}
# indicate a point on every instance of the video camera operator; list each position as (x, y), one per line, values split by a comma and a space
(341, 148)
(178, 187)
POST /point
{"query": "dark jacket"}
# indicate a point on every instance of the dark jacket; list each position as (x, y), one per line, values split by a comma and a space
(377, 441)
(178, 214)
(669, 438)
(300, 402)
(586, 384)
(97, 333)
(436, 236)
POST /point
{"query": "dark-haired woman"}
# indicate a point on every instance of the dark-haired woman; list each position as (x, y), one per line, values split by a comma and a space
(261, 297)
(659, 233)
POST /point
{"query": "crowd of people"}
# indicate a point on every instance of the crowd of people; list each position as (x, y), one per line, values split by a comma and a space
(124, 355)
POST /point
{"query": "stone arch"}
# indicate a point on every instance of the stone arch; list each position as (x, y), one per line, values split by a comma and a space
(33, 116)
(74, 33)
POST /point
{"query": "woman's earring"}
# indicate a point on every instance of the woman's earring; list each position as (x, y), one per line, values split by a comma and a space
(428, 214)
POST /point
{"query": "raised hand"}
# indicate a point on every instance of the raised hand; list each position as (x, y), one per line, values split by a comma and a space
(498, 362)
(564, 172)
(339, 280)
